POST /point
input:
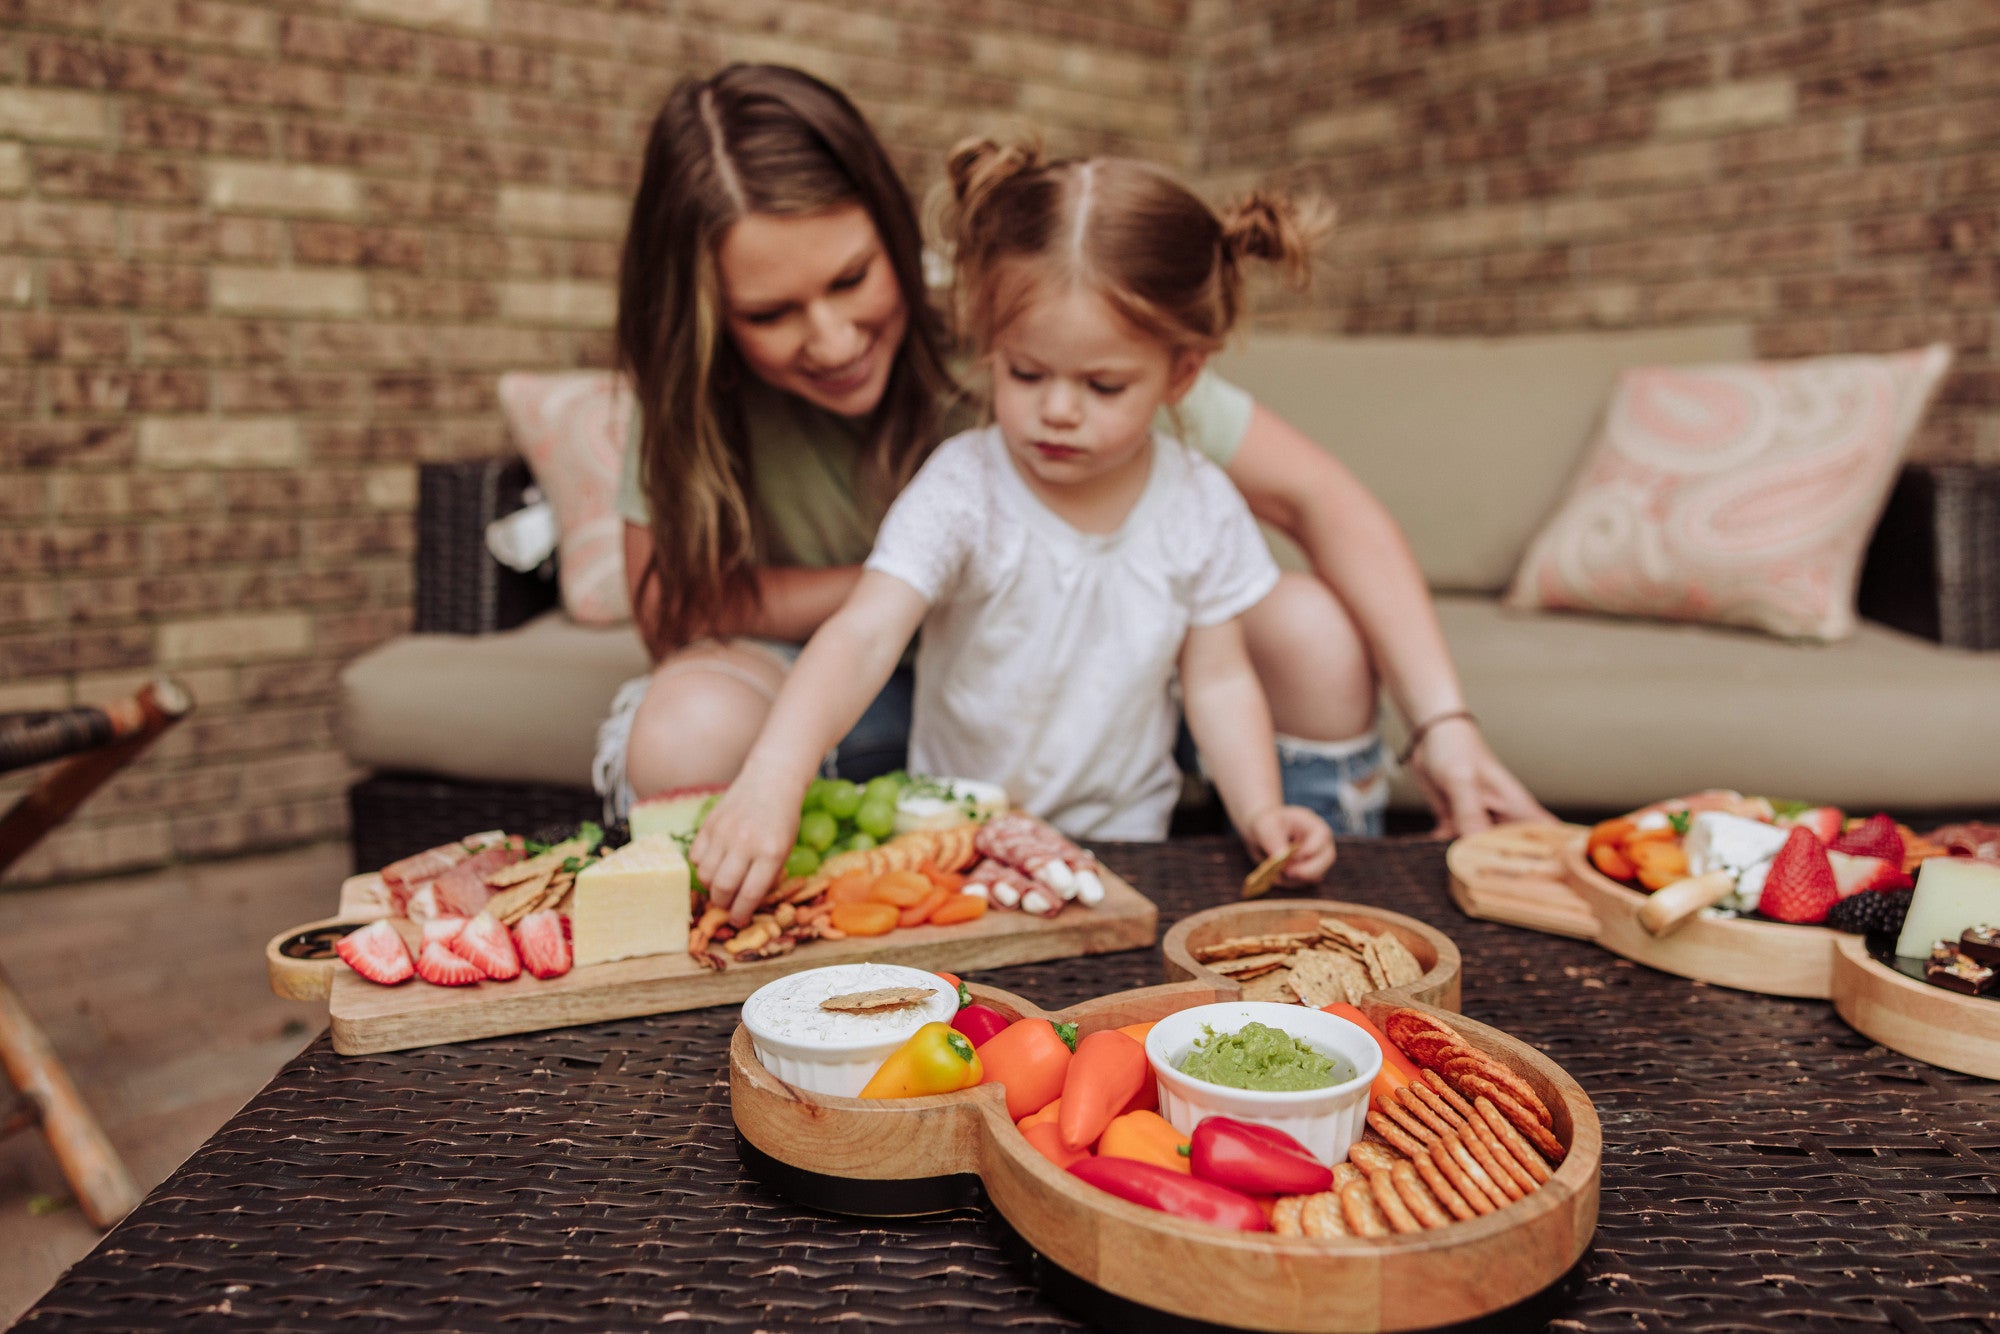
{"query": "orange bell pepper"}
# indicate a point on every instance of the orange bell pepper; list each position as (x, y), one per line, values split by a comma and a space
(1145, 1137)
(1108, 1071)
(1031, 1058)
(1048, 1141)
(1397, 1069)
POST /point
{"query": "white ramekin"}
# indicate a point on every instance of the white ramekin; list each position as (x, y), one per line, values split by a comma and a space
(1327, 1121)
(844, 1069)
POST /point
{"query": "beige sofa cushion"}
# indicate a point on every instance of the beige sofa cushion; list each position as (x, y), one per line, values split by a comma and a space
(1594, 713)
(1470, 442)
(521, 706)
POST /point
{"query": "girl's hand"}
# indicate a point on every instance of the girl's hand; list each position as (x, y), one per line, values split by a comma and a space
(741, 849)
(1300, 829)
(1468, 788)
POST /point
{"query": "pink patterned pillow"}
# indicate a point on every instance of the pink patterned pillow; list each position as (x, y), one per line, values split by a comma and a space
(571, 427)
(1733, 494)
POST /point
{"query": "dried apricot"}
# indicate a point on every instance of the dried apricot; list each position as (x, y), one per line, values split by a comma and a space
(905, 889)
(865, 919)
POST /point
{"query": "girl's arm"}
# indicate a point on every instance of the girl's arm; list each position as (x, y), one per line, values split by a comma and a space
(1231, 722)
(796, 600)
(744, 841)
(1361, 553)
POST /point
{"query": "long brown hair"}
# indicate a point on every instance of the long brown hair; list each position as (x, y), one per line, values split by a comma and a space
(1126, 229)
(748, 139)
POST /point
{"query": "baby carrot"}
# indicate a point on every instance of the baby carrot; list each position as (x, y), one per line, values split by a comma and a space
(1108, 1070)
(1397, 1069)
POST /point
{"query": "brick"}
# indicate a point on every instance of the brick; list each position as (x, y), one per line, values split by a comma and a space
(1877, 81)
(1652, 164)
(13, 169)
(492, 63)
(67, 444)
(354, 45)
(580, 304)
(1786, 146)
(194, 23)
(235, 638)
(66, 337)
(23, 606)
(1648, 257)
(32, 696)
(17, 280)
(288, 291)
(184, 129)
(1955, 126)
(1938, 24)
(126, 177)
(304, 588)
(74, 282)
(563, 212)
(232, 541)
(273, 391)
(212, 341)
(1741, 297)
(1767, 249)
(54, 115)
(392, 489)
(1729, 106)
(23, 496)
(473, 14)
(262, 683)
(58, 654)
(267, 187)
(344, 146)
(212, 442)
(86, 850)
(102, 390)
(1799, 338)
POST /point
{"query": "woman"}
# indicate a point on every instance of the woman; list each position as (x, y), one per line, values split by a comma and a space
(791, 375)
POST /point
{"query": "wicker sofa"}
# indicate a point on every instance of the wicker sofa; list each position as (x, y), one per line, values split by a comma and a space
(485, 715)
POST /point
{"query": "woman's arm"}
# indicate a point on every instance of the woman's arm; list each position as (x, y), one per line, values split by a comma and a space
(1358, 549)
(744, 841)
(796, 600)
(1231, 722)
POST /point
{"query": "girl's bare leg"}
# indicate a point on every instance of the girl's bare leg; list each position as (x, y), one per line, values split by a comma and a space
(703, 709)
(1312, 661)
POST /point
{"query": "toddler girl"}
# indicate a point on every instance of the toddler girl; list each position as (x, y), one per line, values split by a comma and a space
(1067, 563)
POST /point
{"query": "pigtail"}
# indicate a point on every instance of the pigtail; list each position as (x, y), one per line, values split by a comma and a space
(1277, 229)
(975, 169)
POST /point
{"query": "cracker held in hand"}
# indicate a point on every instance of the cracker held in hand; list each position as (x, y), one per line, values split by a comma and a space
(877, 1001)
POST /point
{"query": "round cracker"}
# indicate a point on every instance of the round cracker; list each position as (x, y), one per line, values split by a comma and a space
(1503, 1158)
(1285, 1213)
(1524, 1120)
(1370, 1157)
(1432, 1049)
(1390, 1201)
(1399, 1024)
(1401, 1140)
(1417, 1197)
(1524, 1152)
(1412, 1125)
(1442, 1114)
(1436, 1083)
(1447, 1194)
(1321, 1216)
(1358, 1207)
(1460, 1179)
(1497, 1170)
(1456, 1150)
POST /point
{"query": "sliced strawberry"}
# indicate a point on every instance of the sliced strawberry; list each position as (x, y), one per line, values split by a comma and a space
(1876, 836)
(1824, 821)
(443, 928)
(377, 953)
(543, 938)
(1800, 886)
(485, 942)
(437, 964)
(1854, 875)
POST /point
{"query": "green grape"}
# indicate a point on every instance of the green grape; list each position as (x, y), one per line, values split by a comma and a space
(885, 788)
(815, 796)
(876, 818)
(817, 831)
(841, 799)
(859, 843)
(802, 861)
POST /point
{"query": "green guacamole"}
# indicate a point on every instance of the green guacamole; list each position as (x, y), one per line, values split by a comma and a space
(1263, 1059)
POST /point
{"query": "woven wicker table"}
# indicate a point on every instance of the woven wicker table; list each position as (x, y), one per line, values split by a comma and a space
(1764, 1167)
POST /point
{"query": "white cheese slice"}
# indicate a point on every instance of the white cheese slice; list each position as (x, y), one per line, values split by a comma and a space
(635, 901)
(963, 799)
(1718, 841)
(1952, 894)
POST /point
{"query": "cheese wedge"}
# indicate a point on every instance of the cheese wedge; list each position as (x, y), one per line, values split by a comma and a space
(635, 901)
(1953, 893)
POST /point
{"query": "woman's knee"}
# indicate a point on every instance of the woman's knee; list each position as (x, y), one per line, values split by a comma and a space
(1312, 660)
(695, 726)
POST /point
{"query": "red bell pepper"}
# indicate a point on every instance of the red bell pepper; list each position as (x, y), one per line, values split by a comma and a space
(1255, 1159)
(979, 1022)
(1172, 1193)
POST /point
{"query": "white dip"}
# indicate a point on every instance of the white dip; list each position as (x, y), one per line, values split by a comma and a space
(788, 1009)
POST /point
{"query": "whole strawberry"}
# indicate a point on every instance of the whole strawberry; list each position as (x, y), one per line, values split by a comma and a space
(1877, 836)
(1800, 887)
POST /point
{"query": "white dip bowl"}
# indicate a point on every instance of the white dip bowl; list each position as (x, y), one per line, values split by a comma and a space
(826, 1052)
(1327, 1121)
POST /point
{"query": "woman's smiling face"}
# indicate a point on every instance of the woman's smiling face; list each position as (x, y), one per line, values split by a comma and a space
(813, 305)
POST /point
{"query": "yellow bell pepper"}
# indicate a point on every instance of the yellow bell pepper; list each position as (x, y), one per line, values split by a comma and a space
(1146, 1137)
(936, 1059)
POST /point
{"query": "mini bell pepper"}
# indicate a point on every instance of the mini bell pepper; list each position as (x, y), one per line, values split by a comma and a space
(979, 1022)
(1030, 1057)
(958, 985)
(1257, 1160)
(1145, 1137)
(1048, 1142)
(1049, 1114)
(1147, 1099)
(936, 1059)
(1172, 1193)
(1397, 1069)
(1108, 1072)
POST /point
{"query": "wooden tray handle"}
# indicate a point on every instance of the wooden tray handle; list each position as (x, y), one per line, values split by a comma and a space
(300, 960)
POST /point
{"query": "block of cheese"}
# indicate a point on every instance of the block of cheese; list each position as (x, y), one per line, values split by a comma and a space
(635, 901)
(1953, 893)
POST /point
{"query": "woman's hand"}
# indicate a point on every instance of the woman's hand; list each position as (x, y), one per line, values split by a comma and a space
(1468, 788)
(1297, 828)
(741, 848)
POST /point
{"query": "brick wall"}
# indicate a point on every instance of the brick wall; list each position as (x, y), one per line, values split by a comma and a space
(258, 259)
(1828, 170)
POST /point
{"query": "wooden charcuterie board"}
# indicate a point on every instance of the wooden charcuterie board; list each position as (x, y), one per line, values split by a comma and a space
(365, 1017)
(1546, 883)
(851, 1155)
(1931, 1024)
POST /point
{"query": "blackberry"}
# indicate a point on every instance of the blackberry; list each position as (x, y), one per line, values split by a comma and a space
(1872, 912)
(617, 834)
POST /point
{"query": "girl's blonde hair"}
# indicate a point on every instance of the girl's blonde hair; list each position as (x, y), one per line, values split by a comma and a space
(1126, 229)
(749, 139)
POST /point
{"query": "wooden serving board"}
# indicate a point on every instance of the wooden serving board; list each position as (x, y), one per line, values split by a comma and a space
(368, 1018)
(1538, 876)
(1933, 1025)
(1191, 1270)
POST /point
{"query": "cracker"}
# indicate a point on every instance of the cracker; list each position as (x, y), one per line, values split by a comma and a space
(1321, 1216)
(1341, 933)
(1370, 1157)
(1408, 1121)
(1390, 1201)
(533, 867)
(1401, 1025)
(1432, 1050)
(1274, 986)
(879, 1001)
(1285, 1213)
(1344, 1173)
(1436, 1083)
(1322, 979)
(1250, 965)
(1495, 1171)
(1524, 1120)
(1518, 1088)
(510, 905)
(1432, 1109)
(1417, 1197)
(1399, 966)
(1363, 1214)
(1447, 1194)
(1503, 1160)
(1399, 1139)
(1524, 1152)
(1455, 1149)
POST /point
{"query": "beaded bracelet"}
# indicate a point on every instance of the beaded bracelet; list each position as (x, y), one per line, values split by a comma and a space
(1423, 729)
